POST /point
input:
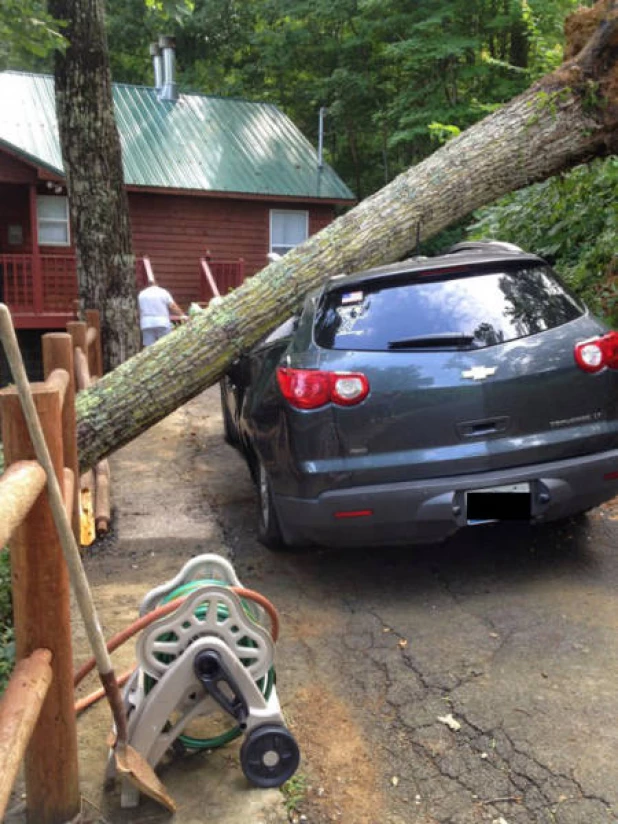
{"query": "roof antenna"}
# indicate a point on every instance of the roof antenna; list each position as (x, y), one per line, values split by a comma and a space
(321, 138)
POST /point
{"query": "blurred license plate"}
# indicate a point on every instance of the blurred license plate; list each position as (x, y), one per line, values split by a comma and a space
(499, 503)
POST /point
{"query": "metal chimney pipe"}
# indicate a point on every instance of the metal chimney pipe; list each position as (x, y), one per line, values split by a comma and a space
(169, 90)
(157, 63)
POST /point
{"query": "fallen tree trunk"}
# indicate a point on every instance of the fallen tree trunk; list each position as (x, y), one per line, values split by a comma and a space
(566, 118)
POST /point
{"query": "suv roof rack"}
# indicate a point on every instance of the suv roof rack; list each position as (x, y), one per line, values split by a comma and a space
(482, 246)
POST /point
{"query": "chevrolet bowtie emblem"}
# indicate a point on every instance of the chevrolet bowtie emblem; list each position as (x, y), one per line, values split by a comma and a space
(479, 373)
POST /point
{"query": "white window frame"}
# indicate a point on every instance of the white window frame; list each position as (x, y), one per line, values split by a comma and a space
(42, 221)
(273, 212)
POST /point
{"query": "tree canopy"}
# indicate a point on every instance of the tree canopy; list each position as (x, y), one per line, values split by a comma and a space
(28, 34)
(397, 79)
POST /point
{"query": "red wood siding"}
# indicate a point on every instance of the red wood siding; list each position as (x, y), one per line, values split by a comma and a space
(320, 218)
(15, 171)
(174, 231)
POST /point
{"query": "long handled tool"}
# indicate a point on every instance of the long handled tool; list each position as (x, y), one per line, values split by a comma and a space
(128, 761)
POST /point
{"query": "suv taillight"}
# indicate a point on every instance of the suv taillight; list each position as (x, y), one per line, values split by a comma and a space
(312, 388)
(597, 353)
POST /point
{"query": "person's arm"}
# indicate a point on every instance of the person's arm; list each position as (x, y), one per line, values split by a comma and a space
(176, 311)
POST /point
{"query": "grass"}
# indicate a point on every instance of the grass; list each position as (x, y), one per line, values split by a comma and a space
(7, 642)
(294, 791)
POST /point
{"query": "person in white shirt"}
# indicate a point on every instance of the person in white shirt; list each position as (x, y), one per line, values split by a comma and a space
(156, 306)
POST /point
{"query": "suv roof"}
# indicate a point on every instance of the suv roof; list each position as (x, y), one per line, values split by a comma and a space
(460, 255)
(484, 246)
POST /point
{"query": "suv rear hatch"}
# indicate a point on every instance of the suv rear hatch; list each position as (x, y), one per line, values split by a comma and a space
(471, 368)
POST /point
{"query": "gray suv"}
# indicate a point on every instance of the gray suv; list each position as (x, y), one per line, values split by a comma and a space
(412, 400)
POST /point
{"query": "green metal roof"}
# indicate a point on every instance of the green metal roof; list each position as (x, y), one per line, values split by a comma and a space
(196, 143)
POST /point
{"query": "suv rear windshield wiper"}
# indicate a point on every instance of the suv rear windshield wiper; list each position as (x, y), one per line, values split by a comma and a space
(427, 341)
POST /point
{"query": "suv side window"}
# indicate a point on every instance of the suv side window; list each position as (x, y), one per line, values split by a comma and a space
(491, 306)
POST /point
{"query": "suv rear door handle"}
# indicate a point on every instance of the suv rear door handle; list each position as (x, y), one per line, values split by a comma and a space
(482, 428)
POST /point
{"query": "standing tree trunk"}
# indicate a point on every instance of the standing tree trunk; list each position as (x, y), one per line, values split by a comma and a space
(93, 165)
(566, 118)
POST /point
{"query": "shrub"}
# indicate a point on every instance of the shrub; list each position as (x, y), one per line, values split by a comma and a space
(7, 643)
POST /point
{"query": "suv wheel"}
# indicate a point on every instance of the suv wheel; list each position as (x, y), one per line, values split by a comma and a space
(269, 531)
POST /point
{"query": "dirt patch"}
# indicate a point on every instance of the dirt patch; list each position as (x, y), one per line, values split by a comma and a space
(336, 758)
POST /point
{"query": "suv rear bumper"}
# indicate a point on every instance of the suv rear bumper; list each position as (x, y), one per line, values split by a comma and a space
(432, 510)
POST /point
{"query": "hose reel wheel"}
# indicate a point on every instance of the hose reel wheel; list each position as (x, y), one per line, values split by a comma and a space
(269, 755)
(212, 610)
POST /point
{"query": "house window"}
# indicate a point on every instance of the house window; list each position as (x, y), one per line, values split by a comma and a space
(287, 229)
(15, 234)
(53, 220)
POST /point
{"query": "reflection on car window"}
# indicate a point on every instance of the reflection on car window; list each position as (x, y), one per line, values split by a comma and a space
(491, 307)
(284, 331)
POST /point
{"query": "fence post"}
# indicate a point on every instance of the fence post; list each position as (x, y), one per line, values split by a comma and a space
(41, 612)
(78, 330)
(58, 354)
(93, 319)
(37, 269)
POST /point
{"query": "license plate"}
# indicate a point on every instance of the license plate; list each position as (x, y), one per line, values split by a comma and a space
(499, 503)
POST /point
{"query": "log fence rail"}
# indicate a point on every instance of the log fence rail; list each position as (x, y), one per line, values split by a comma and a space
(37, 715)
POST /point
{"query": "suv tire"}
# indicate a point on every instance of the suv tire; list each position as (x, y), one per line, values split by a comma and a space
(269, 531)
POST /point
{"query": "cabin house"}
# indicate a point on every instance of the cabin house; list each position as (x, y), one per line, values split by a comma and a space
(225, 178)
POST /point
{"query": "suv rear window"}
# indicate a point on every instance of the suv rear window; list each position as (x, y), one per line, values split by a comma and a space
(445, 311)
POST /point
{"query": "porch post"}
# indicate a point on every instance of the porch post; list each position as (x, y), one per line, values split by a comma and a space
(37, 269)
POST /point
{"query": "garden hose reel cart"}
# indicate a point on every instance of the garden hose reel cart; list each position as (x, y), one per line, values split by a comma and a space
(213, 656)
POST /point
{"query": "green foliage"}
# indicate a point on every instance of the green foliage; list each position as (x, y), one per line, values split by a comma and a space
(294, 791)
(7, 644)
(28, 34)
(441, 132)
(448, 237)
(571, 219)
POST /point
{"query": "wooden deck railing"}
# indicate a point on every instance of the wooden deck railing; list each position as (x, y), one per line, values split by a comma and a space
(37, 715)
(17, 281)
(52, 288)
(219, 276)
(144, 272)
(39, 285)
(32, 285)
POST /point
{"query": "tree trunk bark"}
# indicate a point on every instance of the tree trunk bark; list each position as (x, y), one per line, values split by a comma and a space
(565, 119)
(93, 164)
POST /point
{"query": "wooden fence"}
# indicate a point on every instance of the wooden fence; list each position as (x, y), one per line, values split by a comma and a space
(37, 715)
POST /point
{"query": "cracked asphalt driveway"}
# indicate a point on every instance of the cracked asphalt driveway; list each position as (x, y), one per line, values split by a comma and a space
(474, 681)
